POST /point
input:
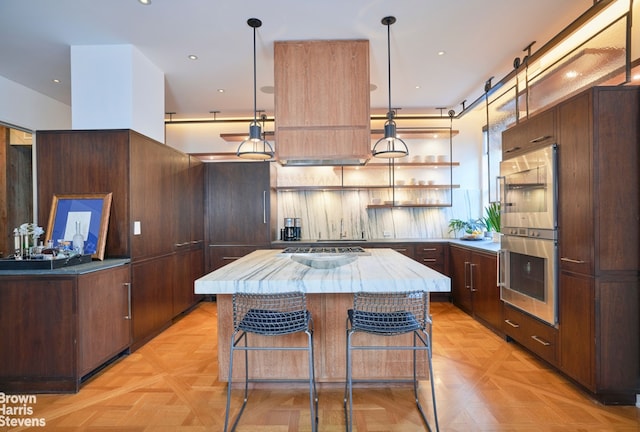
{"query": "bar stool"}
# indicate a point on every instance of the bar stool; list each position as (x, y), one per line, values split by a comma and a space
(390, 314)
(270, 315)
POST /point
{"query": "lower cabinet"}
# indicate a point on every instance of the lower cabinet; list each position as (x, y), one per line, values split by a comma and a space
(189, 266)
(58, 328)
(474, 285)
(152, 297)
(599, 344)
(104, 316)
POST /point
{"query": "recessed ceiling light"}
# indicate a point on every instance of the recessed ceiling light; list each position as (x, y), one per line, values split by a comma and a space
(417, 86)
(441, 53)
(636, 77)
(145, 2)
(220, 90)
(56, 80)
(193, 57)
(571, 74)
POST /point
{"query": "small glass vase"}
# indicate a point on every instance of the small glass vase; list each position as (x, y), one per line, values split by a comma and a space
(78, 241)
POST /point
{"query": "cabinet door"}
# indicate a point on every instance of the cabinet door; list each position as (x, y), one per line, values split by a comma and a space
(575, 186)
(238, 201)
(152, 296)
(576, 327)
(486, 294)
(103, 316)
(460, 265)
(537, 131)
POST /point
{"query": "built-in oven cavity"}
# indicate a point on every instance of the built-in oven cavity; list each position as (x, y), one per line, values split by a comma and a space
(527, 275)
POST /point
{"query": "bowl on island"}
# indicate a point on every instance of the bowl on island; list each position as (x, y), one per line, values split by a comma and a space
(324, 261)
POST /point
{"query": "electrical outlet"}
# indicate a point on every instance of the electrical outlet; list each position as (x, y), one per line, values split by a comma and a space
(137, 230)
(386, 234)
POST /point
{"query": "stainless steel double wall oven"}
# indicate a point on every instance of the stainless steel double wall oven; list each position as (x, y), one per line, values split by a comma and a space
(529, 253)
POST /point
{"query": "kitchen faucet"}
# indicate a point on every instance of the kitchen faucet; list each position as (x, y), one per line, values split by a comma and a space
(343, 234)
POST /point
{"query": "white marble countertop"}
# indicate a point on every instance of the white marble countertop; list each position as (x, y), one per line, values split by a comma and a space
(269, 271)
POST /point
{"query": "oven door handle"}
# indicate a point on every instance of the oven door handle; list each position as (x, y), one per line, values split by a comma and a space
(502, 267)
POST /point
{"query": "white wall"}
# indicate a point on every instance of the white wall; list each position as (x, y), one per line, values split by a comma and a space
(116, 87)
(20, 106)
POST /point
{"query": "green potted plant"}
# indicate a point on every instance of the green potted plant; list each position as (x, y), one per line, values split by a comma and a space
(471, 228)
(491, 220)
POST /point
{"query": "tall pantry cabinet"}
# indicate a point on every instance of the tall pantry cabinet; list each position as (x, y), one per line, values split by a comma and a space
(240, 204)
(599, 241)
(155, 188)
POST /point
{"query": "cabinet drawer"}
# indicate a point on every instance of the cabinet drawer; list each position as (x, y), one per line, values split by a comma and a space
(432, 255)
(534, 335)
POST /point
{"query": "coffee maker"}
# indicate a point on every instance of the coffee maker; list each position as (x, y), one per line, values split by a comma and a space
(289, 230)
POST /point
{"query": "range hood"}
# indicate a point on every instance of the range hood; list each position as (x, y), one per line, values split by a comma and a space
(322, 102)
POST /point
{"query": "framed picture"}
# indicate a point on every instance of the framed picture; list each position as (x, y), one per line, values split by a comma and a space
(89, 212)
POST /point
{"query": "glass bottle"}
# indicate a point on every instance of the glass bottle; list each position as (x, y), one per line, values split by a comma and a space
(78, 241)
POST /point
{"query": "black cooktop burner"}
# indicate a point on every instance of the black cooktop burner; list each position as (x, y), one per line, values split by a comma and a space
(326, 249)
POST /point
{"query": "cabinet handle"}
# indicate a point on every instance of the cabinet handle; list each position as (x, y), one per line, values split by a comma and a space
(400, 250)
(512, 149)
(429, 259)
(574, 261)
(512, 324)
(540, 340)
(264, 207)
(128, 285)
(230, 258)
(466, 280)
(471, 266)
(540, 139)
(429, 249)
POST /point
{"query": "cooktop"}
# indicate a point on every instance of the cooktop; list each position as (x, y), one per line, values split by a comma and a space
(326, 249)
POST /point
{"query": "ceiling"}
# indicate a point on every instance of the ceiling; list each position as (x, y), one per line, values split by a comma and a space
(480, 40)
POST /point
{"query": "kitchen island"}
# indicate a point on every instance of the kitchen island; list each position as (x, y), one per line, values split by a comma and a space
(329, 296)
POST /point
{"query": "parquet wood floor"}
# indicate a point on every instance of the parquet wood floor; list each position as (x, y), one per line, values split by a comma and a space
(482, 382)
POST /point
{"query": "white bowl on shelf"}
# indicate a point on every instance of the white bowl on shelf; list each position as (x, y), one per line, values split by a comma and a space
(400, 182)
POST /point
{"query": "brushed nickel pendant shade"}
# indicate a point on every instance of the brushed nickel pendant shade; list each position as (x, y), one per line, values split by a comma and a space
(256, 147)
(389, 146)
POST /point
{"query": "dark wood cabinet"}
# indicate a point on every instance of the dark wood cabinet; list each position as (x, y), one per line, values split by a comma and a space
(537, 131)
(537, 336)
(474, 285)
(459, 271)
(577, 353)
(58, 328)
(240, 204)
(434, 255)
(154, 187)
(598, 213)
(104, 316)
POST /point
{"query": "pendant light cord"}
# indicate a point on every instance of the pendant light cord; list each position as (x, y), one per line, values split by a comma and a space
(255, 85)
(388, 23)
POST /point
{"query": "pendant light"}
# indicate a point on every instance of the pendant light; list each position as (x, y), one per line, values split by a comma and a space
(389, 146)
(255, 147)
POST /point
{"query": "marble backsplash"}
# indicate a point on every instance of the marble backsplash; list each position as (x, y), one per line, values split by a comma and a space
(344, 214)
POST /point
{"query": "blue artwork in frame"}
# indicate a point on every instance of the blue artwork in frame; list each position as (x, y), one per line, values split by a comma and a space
(89, 212)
